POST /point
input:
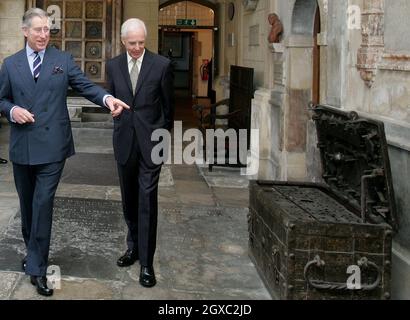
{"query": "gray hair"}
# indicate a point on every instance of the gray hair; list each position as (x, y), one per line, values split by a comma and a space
(132, 25)
(34, 12)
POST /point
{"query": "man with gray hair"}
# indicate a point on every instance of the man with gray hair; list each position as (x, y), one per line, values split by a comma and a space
(33, 96)
(143, 80)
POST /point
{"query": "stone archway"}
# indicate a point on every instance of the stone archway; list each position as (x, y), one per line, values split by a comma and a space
(303, 17)
(188, 34)
(206, 3)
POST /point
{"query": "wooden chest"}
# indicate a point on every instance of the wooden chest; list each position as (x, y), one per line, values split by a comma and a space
(331, 240)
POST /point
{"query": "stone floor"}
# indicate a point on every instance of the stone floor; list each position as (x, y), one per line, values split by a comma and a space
(202, 234)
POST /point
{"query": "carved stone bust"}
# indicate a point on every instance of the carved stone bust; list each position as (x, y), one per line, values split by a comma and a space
(277, 28)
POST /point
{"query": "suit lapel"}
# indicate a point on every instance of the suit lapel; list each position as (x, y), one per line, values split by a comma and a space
(47, 66)
(125, 72)
(145, 68)
(23, 69)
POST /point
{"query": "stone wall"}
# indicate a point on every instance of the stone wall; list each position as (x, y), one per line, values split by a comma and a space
(255, 52)
(146, 10)
(11, 37)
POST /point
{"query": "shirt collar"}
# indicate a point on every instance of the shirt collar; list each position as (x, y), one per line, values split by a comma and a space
(139, 60)
(30, 51)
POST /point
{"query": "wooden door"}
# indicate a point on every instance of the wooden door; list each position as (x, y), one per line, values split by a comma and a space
(316, 60)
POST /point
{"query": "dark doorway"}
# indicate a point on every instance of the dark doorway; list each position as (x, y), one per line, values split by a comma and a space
(187, 36)
(177, 46)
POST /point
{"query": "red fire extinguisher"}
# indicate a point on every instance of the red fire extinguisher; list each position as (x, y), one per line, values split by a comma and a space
(204, 69)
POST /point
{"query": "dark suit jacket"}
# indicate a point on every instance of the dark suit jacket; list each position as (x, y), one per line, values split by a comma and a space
(152, 106)
(49, 138)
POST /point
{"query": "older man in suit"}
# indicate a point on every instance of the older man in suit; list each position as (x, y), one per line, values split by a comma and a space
(143, 80)
(33, 93)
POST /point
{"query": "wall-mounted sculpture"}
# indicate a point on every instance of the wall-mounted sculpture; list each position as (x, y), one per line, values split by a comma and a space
(371, 51)
(276, 30)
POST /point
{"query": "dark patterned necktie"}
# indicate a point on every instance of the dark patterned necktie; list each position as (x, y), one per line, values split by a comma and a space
(36, 66)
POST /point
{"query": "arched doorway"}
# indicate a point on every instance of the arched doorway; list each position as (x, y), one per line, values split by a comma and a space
(316, 60)
(304, 86)
(306, 27)
(187, 35)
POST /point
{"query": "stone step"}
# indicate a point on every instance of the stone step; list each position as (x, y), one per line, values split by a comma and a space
(83, 111)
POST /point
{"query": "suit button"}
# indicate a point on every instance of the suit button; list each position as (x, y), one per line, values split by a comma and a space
(47, 128)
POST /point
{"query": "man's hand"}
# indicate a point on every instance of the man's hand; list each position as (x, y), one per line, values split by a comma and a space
(22, 116)
(116, 106)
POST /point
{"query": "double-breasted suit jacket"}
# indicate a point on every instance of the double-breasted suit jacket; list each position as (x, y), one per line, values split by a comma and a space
(49, 138)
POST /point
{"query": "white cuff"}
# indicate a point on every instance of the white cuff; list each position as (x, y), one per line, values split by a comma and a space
(11, 114)
(105, 99)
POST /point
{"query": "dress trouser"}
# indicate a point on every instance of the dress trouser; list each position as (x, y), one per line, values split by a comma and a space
(139, 191)
(36, 186)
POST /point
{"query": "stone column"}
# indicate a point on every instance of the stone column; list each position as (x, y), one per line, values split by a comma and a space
(265, 121)
(11, 37)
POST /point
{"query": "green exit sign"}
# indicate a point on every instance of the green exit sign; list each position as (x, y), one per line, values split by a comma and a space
(186, 22)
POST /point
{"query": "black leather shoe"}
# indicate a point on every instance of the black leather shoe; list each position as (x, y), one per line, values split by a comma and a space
(128, 259)
(24, 263)
(147, 277)
(41, 283)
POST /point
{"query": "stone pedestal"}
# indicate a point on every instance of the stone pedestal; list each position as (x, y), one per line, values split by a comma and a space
(265, 135)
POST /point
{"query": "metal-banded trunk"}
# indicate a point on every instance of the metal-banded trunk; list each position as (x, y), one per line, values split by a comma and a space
(331, 240)
(304, 253)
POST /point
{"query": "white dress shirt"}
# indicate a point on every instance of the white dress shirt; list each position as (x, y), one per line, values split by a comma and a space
(31, 56)
(131, 61)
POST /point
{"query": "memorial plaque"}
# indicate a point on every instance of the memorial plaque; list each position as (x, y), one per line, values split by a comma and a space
(73, 29)
(94, 10)
(74, 9)
(93, 69)
(254, 35)
(74, 47)
(93, 50)
(93, 30)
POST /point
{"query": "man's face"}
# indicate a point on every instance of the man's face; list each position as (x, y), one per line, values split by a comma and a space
(134, 43)
(38, 35)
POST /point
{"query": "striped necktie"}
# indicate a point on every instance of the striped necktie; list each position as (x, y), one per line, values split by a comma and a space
(36, 66)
